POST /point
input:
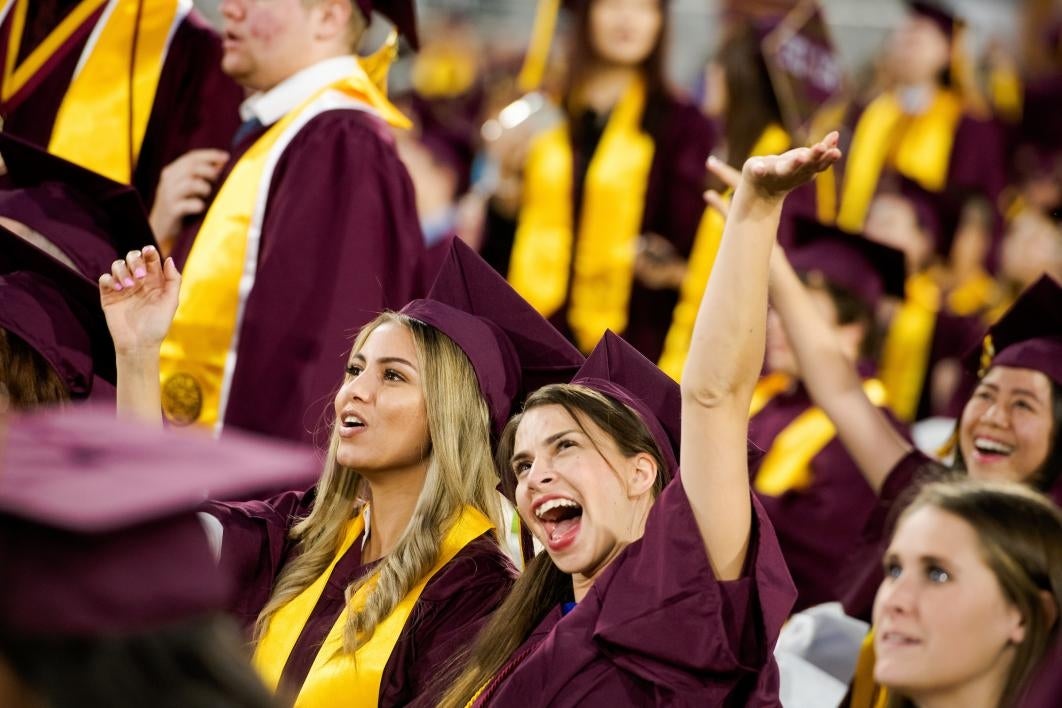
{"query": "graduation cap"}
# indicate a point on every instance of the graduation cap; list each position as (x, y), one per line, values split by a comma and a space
(513, 349)
(617, 369)
(805, 70)
(401, 13)
(93, 220)
(1027, 336)
(867, 269)
(56, 311)
(98, 531)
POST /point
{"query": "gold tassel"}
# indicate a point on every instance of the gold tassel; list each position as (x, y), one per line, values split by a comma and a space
(538, 49)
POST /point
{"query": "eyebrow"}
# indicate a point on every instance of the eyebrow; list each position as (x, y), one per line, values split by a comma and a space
(1018, 391)
(385, 360)
(523, 454)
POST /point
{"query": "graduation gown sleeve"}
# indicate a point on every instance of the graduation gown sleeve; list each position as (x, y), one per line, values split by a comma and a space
(340, 242)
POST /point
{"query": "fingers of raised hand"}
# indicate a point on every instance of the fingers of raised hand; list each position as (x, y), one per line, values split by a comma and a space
(727, 174)
(716, 201)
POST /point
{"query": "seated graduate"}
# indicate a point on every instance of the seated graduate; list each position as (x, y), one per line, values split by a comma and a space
(111, 595)
(970, 601)
(643, 596)
(1009, 429)
(344, 603)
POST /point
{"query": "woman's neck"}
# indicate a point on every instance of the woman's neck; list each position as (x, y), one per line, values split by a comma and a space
(604, 86)
(984, 691)
(634, 530)
(394, 496)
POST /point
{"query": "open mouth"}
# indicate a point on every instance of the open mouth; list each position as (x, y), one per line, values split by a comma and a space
(561, 519)
(350, 424)
(895, 639)
(989, 450)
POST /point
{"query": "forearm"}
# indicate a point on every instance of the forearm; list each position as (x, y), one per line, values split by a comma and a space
(138, 385)
(726, 348)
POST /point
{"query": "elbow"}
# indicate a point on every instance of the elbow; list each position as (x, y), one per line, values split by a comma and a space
(709, 394)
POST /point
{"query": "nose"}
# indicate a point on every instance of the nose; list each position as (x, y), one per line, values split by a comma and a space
(232, 9)
(357, 388)
(996, 414)
(541, 473)
(896, 595)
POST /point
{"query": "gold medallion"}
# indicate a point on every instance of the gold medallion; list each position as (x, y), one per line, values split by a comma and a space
(182, 399)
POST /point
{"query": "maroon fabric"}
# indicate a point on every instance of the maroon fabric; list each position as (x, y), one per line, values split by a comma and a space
(340, 242)
(658, 629)
(1045, 688)
(674, 204)
(818, 527)
(862, 573)
(196, 105)
(402, 13)
(98, 534)
(867, 269)
(455, 603)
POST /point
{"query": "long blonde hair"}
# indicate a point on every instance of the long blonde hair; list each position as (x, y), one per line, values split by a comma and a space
(460, 473)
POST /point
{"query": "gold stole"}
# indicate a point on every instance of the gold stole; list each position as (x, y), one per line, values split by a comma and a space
(338, 677)
(772, 141)
(610, 223)
(92, 127)
(905, 353)
(787, 465)
(199, 353)
(865, 692)
(918, 147)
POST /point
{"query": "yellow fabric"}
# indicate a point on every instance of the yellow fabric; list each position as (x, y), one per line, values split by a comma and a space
(93, 127)
(905, 354)
(195, 351)
(866, 693)
(769, 386)
(534, 67)
(787, 465)
(336, 677)
(772, 141)
(918, 147)
(1007, 93)
(974, 296)
(16, 77)
(613, 205)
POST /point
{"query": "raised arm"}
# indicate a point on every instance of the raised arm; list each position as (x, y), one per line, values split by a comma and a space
(831, 378)
(726, 353)
(139, 297)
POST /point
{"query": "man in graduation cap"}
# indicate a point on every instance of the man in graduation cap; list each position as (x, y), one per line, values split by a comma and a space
(122, 87)
(313, 228)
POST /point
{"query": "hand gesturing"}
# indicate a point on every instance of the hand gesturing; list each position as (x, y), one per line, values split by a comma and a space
(139, 298)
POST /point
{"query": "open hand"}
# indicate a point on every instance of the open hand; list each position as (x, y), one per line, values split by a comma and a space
(139, 298)
(774, 176)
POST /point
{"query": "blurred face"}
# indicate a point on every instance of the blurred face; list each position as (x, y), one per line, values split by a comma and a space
(584, 503)
(266, 41)
(918, 51)
(941, 622)
(1032, 246)
(891, 220)
(780, 356)
(1007, 425)
(381, 418)
(624, 32)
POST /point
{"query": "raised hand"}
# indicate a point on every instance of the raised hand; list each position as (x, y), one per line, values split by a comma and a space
(774, 176)
(139, 298)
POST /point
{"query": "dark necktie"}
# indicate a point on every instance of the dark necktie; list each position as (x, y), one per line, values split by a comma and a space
(247, 128)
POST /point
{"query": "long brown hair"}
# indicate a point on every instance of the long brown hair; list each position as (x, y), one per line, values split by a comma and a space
(1020, 534)
(751, 104)
(460, 473)
(29, 379)
(582, 60)
(543, 585)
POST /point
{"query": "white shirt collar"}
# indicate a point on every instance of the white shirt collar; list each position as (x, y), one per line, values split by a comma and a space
(272, 105)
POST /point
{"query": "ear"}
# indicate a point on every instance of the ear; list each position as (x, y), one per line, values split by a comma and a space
(333, 18)
(1050, 608)
(642, 474)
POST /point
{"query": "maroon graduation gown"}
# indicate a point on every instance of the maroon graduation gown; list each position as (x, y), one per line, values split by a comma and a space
(340, 242)
(819, 526)
(674, 203)
(454, 605)
(196, 105)
(657, 628)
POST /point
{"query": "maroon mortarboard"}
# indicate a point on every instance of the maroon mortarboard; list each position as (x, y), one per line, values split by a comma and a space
(1027, 336)
(617, 369)
(939, 13)
(98, 531)
(402, 13)
(867, 269)
(93, 220)
(513, 349)
(56, 311)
